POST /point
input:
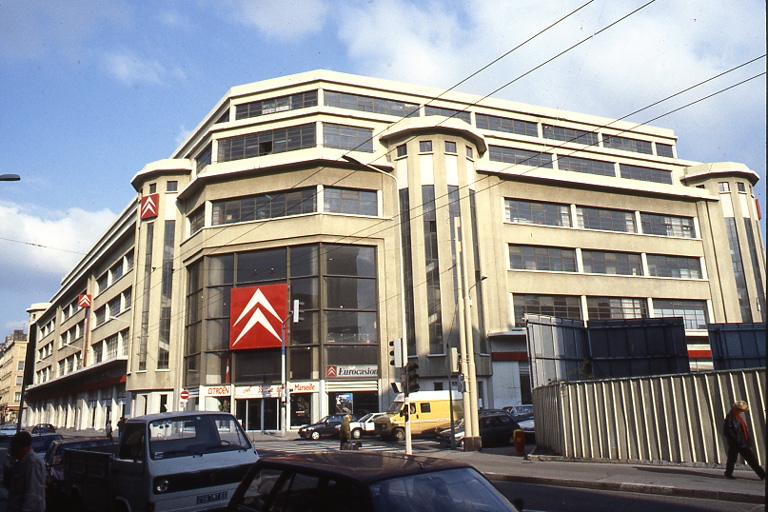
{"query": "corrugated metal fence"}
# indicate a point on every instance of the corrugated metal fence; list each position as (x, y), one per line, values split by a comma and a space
(676, 418)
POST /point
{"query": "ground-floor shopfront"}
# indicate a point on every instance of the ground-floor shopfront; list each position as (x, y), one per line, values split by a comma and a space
(258, 407)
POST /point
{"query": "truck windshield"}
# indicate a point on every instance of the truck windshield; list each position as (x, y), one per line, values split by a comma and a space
(395, 408)
(192, 435)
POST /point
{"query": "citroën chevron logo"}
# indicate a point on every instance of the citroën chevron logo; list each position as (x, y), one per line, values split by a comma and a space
(149, 206)
(256, 316)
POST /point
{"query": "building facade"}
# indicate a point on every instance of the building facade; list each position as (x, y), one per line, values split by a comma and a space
(12, 363)
(309, 220)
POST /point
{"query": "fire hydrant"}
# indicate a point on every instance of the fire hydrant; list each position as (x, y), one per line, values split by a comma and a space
(519, 438)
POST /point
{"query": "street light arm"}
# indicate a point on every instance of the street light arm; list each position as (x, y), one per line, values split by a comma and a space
(10, 177)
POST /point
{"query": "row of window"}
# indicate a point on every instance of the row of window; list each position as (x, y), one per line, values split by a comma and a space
(556, 259)
(111, 276)
(693, 312)
(73, 333)
(518, 211)
(577, 164)
(287, 203)
(114, 307)
(483, 121)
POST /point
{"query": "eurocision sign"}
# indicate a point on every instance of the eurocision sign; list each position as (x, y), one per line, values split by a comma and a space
(256, 316)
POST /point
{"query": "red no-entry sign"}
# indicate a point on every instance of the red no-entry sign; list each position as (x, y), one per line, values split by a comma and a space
(184, 394)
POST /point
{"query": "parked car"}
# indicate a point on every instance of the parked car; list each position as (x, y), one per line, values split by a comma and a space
(364, 425)
(43, 428)
(55, 494)
(41, 442)
(366, 482)
(495, 428)
(7, 430)
(519, 410)
(326, 427)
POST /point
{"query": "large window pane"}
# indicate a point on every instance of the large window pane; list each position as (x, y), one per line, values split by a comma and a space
(349, 260)
(350, 293)
(261, 266)
(618, 263)
(561, 306)
(535, 212)
(351, 327)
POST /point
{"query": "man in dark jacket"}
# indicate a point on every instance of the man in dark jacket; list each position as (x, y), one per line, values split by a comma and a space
(735, 431)
(25, 479)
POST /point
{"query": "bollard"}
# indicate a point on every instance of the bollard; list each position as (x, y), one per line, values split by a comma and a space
(519, 437)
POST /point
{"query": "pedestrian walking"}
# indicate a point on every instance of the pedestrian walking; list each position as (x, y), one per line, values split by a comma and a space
(739, 442)
(25, 478)
(120, 428)
(345, 434)
(109, 431)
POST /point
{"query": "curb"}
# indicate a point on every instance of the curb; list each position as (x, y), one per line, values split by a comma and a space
(662, 490)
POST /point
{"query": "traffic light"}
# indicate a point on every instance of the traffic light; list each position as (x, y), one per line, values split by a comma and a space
(396, 353)
(412, 378)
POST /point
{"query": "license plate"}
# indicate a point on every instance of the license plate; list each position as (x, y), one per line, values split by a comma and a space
(216, 496)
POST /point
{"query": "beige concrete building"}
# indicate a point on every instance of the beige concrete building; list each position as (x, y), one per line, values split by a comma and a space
(380, 205)
(12, 363)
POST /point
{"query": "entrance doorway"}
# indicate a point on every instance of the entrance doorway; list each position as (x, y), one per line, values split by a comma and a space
(258, 413)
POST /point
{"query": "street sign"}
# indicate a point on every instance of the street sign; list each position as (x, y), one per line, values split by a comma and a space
(184, 395)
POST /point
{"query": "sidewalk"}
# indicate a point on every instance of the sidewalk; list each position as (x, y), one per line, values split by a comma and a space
(665, 479)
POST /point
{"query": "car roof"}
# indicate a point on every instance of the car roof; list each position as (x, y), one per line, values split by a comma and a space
(175, 415)
(360, 465)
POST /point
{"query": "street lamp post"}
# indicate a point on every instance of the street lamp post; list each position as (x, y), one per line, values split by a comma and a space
(352, 160)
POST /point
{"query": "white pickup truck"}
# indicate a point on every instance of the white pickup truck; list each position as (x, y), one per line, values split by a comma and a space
(164, 462)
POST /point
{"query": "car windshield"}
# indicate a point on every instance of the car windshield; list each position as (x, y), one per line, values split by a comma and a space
(195, 435)
(461, 489)
(366, 417)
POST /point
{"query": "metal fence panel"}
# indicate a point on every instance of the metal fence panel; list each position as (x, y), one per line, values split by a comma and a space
(736, 346)
(675, 418)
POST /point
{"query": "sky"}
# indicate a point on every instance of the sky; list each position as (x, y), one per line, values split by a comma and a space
(93, 90)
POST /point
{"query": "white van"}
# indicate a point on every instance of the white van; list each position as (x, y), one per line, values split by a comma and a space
(164, 462)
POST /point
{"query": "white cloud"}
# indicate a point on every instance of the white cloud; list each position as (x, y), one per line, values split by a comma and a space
(658, 51)
(51, 242)
(282, 20)
(133, 70)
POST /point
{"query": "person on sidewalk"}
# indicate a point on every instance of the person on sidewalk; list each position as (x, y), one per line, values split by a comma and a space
(109, 432)
(345, 435)
(735, 432)
(25, 479)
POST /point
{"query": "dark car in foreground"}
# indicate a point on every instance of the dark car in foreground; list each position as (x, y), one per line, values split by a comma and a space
(365, 482)
(55, 494)
(326, 427)
(496, 428)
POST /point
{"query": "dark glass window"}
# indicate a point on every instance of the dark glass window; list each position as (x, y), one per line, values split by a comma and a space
(561, 306)
(402, 150)
(660, 265)
(349, 201)
(586, 165)
(627, 144)
(635, 172)
(738, 269)
(534, 212)
(693, 312)
(450, 147)
(667, 225)
(280, 104)
(503, 124)
(264, 206)
(171, 186)
(569, 135)
(519, 156)
(347, 137)
(267, 142)
(350, 260)
(370, 104)
(429, 110)
(664, 150)
(529, 257)
(604, 219)
(616, 308)
(616, 263)
(204, 158)
(425, 146)
(196, 220)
